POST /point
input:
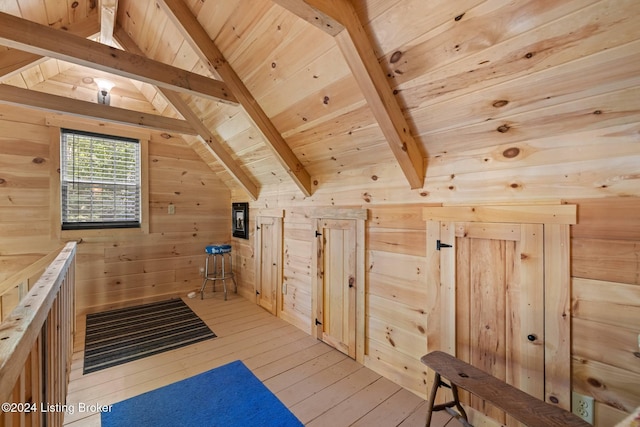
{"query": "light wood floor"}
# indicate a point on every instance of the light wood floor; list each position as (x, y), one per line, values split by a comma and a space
(320, 385)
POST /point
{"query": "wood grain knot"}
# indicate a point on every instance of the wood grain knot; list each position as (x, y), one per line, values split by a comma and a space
(500, 103)
(2, 181)
(463, 375)
(165, 135)
(315, 182)
(395, 57)
(511, 152)
(594, 382)
(75, 4)
(529, 55)
(38, 160)
(374, 177)
(459, 17)
(503, 128)
(554, 399)
(325, 100)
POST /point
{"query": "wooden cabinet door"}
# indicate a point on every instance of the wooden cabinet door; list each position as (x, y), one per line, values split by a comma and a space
(500, 293)
(269, 262)
(336, 299)
(499, 282)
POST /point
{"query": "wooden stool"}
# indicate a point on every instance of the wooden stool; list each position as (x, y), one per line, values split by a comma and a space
(218, 251)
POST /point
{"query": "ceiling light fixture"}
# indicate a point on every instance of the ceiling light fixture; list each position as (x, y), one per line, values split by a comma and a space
(104, 89)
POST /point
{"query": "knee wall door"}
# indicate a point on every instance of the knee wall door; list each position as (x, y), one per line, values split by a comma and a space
(269, 263)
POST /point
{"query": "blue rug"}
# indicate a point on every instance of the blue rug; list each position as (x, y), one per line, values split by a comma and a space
(223, 397)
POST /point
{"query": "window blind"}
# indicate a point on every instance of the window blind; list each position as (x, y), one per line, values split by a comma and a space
(100, 181)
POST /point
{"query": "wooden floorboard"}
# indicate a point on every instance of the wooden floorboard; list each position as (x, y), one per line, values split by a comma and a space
(320, 385)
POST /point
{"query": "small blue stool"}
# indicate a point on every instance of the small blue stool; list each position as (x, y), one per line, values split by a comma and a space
(218, 251)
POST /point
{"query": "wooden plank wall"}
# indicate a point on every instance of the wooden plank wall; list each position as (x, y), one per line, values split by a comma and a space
(396, 283)
(24, 191)
(605, 280)
(606, 305)
(112, 271)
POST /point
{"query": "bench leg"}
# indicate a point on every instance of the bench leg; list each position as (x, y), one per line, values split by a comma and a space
(432, 399)
(461, 415)
(456, 400)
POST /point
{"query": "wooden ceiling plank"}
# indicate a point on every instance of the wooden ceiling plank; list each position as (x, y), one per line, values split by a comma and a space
(212, 143)
(209, 53)
(13, 61)
(11, 95)
(206, 138)
(38, 39)
(108, 13)
(360, 56)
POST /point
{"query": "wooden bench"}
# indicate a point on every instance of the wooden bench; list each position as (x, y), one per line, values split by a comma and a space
(518, 404)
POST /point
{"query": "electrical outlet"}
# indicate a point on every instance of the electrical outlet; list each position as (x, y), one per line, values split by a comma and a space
(172, 209)
(582, 406)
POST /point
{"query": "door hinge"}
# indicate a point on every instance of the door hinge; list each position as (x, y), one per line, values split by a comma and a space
(318, 322)
(318, 233)
(439, 245)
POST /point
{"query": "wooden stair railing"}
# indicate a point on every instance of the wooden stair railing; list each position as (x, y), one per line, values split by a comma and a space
(36, 345)
(16, 286)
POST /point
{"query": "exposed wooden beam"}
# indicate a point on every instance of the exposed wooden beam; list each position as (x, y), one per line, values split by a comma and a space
(314, 15)
(180, 14)
(12, 95)
(209, 147)
(38, 39)
(13, 61)
(108, 12)
(333, 15)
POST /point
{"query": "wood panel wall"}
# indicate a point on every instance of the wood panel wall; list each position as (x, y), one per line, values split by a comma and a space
(605, 293)
(112, 270)
(606, 305)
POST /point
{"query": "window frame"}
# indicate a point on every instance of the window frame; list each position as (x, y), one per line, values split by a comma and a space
(56, 124)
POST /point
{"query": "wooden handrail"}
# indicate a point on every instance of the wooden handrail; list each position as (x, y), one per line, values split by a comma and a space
(28, 272)
(49, 305)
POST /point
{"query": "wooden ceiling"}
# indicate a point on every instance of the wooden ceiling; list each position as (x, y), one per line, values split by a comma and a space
(286, 92)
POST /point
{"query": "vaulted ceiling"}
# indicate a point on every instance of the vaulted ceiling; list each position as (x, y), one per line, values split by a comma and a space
(282, 92)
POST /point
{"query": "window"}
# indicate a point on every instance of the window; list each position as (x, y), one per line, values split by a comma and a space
(100, 181)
